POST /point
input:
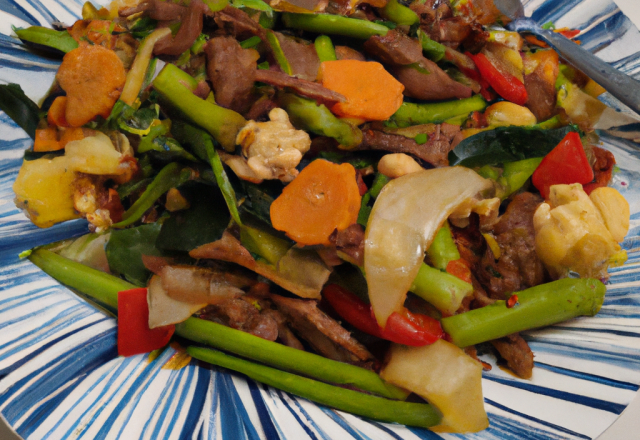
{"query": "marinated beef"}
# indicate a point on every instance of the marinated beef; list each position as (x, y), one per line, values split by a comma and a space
(324, 334)
(302, 87)
(350, 242)
(240, 314)
(603, 163)
(231, 70)
(302, 56)
(237, 23)
(435, 151)
(347, 53)
(395, 48)
(518, 267)
(515, 350)
(190, 29)
(156, 9)
(541, 96)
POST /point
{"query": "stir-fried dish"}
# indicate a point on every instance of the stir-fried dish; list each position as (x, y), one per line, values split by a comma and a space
(345, 197)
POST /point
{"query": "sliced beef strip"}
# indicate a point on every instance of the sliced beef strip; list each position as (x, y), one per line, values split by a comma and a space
(238, 24)
(350, 241)
(190, 29)
(435, 151)
(240, 314)
(302, 56)
(518, 267)
(156, 9)
(541, 96)
(302, 87)
(515, 350)
(347, 53)
(260, 109)
(323, 333)
(231, 70)
(422, 78)
(285, 335)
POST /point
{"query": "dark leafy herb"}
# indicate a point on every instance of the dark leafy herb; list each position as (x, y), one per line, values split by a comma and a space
(20, 108)
(126, 247)
(203, 222)
(143, 27)
(258, 198)
(506, 144)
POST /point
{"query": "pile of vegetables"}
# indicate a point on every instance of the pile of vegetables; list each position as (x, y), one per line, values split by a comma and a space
(371, 162)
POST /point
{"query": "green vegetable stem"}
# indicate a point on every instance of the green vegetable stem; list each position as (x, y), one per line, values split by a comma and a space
(278, 53)
(434, 50)
(443, 249)
(325, 49)
(411, 113)
(400, 14)
(334, 25)
(307, 115)
(104, 288)
(286, 358)
(177, 86)
(441, 289)
(373, 407)
(537, 306)
(171, 176)
(50, 38)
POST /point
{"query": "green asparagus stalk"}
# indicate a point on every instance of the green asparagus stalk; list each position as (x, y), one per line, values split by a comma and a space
(411, 113)
(58, 40)
(434, 50)
(334, 25)
(306, 114)
(278, 53)
(373, 407)
(400, 14)
(538, 306)
(177, 86)
(171, 176)
(325, 49)
(286, 358)
(104, 288)
(443, 249)
(442, 290)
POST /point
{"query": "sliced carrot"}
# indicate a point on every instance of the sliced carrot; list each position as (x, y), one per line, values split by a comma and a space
(322, 198)
(71, 134)
(372, 93)
(47, 140)
(93, 78)
(56, 114)
(96, 31)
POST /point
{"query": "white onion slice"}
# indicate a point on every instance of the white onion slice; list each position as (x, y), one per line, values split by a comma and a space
(164, 310)
(402, 224)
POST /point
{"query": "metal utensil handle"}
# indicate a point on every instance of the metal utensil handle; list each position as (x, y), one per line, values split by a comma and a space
(620, 85)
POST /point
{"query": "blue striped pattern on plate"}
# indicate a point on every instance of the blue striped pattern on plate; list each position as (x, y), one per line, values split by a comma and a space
(61, 378)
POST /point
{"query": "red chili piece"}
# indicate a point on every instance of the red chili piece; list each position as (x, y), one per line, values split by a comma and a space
(403, 328)
(505, 84)
(134, 334)
(460, 269)
(512, 301)
(567, 163)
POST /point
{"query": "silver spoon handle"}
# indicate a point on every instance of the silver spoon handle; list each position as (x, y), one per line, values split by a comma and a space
(620, 85)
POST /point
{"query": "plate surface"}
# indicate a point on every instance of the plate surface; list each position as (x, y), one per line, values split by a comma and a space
(61, 378)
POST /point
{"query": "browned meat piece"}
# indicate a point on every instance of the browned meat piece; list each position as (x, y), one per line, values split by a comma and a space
(237, 23)
(451, 31)
(350, 242)
(541, 96)
(395, 48)
(604, 162)
(190, 29)
(518, 267)
(238, 313)
(156, 9)
(285, 335)
(261, 108)
(300, 86)
(323, 333)
(435, 151)
(515, 350)
(301, 55)
(231, 70)
(347, 53)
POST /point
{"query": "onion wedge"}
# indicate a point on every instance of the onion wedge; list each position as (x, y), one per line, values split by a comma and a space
(402, 224)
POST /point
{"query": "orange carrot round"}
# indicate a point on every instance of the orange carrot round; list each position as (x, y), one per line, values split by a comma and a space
(322, 198)
(93, 77)
(56, 114)
(46, 139)
(372, 93)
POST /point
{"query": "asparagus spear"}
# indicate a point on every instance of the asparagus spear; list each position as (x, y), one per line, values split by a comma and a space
(443, 249)
(411, 113)
(400, 14)
(325, 49)
(309, 116)
(177, 86)
(104, 288)
(334, 25)
(442, 290)
(373, 407)
(538, 306)
(50, 38)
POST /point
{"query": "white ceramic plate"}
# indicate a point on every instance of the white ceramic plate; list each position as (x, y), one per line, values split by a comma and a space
(61, 378)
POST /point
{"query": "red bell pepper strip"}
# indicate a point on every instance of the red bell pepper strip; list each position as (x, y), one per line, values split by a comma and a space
(567, 163)
(403, 328)
(134, 334)
(460, 269)
(505, 84)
